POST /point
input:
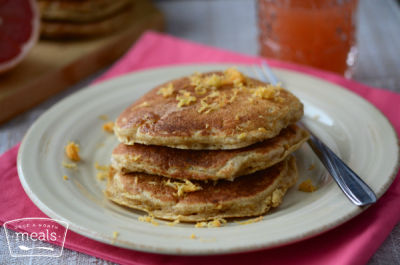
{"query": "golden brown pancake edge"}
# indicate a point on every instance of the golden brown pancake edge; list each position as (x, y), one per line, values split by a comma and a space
(247, 196)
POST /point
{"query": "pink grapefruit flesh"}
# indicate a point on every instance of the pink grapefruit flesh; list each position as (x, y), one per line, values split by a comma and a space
(19, 29)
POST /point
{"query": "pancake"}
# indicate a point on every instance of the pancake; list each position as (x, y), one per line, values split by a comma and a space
(250, 195)
(216, 110)
(80, 10)
(208, 164)
(65, 29)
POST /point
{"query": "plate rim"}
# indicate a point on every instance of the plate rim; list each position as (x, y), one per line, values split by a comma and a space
(86, 232)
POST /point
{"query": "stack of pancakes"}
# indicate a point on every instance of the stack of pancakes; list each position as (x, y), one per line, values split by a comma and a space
(83, 18)
(207, 146)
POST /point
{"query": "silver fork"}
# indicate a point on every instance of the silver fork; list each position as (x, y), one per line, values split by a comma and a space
(351, 184)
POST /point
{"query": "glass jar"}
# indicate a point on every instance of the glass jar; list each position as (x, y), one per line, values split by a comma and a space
(318, 33)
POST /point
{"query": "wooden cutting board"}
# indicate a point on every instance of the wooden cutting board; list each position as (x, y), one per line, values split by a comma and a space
(52, 66)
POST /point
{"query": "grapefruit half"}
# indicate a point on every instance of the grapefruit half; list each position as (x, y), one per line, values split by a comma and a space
(19, 30)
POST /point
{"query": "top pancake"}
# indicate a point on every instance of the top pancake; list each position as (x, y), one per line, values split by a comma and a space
(215, 110)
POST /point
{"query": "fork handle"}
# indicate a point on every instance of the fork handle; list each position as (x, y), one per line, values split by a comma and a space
(351, 184)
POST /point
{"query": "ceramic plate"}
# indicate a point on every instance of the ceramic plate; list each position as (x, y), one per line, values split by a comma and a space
(352, 127)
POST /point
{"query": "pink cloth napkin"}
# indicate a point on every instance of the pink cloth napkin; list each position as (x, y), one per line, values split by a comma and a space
(351, 243)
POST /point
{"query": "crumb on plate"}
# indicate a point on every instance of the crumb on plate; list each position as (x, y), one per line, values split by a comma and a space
(69, 165)
(307, 186)
(214, 223)
(115, 236)
(101, 175)
(72, 151)
(250, 221)
(103, 171)
(101, 167)
(103, 117)
(108, 127)
(148, 219)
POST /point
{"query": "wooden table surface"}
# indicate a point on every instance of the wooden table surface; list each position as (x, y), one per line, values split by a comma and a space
(231, 24)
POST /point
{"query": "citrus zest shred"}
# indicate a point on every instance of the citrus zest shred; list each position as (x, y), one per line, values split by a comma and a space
(265, 92)
(166, 91)
(185, 98)
(182, 187)
(213, 81)
(196, 81)
(234, 96)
